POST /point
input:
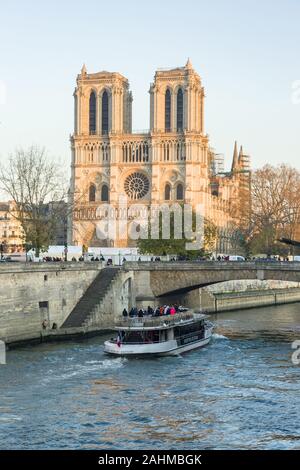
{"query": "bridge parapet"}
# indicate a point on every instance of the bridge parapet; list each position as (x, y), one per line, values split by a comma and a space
(165, 278)
(214, 265)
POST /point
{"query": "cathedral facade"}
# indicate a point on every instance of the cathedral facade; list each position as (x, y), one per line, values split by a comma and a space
(172, 162)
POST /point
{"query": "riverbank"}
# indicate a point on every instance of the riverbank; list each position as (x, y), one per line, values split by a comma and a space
(54, 336)
(229, 301)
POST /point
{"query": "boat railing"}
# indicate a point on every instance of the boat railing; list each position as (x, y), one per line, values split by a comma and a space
(147, 321)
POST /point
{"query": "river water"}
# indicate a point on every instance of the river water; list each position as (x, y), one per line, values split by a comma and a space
(240, 392)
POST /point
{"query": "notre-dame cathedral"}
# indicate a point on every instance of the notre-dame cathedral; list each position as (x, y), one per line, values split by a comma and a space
(172, 162)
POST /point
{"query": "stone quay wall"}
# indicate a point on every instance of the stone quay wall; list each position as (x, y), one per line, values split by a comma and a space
(227, 301)
(242, 300)
(31, 293)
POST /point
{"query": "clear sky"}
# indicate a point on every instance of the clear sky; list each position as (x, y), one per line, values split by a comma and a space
(246, 51)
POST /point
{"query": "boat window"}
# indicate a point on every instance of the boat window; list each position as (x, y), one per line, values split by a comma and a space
(186, 329)
(141, 337)
(134, 337)
(164, 335)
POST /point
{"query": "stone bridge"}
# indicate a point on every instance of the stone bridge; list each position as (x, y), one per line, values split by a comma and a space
(152, 280)
(86, 297)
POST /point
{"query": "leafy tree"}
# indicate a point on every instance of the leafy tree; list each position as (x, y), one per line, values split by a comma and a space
(173, 246)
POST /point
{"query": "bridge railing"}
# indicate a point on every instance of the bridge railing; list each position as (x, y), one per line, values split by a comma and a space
(148, 322)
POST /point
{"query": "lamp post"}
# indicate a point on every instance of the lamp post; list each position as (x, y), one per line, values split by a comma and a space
(66, 251)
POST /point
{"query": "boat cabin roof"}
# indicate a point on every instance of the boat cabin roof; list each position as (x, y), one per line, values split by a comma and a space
(163, 322)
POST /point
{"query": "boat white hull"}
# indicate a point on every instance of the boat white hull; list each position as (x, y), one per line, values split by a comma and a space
(168, 348)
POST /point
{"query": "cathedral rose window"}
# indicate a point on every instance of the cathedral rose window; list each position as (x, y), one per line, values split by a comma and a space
(136, 185)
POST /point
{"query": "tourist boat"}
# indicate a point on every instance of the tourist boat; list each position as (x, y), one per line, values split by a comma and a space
(167, 335)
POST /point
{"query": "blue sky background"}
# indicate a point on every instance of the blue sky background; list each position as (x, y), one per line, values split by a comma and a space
(247, 53)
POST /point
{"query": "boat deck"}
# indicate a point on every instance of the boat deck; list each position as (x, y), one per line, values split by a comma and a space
(158, 323)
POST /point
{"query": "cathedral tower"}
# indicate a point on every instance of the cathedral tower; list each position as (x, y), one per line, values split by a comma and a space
(102, 104)
(180, 147)
(177, 101)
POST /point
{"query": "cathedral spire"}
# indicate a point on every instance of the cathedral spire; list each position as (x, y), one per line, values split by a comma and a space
(83, 70)
(241, 154)
(235, 160)
(188, 65)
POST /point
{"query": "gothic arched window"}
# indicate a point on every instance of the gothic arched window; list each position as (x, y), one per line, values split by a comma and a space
(168, 111)
(179, 110)
(92, 123)
(92, 193)
(179, 192)
(105, 112)
(167, 192)
(104, 193)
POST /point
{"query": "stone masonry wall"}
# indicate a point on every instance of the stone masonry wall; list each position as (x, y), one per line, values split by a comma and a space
(30, 293)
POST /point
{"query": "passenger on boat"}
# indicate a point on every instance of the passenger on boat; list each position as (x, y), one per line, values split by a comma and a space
(150, 311)
(157, 312)
(166, 310)
(132, 312)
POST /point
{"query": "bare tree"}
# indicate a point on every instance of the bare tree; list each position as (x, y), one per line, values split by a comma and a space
(32, 181)
(275, 208)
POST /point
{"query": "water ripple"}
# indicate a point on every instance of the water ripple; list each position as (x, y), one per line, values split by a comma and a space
(240, 392)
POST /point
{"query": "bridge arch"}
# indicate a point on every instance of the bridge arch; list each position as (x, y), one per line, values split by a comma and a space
(177, 277)
(126, 291)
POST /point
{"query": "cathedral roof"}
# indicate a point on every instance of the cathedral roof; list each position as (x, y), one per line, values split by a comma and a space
(104, 75)
(178, 72)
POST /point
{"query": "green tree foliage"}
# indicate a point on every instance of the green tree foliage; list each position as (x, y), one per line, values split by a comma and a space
(173, 246)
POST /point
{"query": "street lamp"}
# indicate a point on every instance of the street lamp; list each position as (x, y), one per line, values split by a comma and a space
(66, 251)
